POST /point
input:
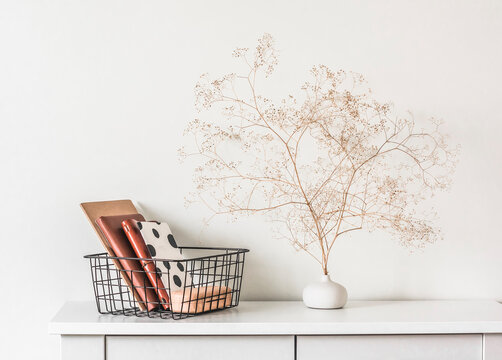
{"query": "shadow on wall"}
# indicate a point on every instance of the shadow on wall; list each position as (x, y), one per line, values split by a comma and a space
(266, 276)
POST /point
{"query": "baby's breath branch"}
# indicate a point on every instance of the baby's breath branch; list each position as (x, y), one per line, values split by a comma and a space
(321, 166)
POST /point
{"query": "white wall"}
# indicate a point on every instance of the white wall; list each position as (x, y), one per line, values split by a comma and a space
(94, 96)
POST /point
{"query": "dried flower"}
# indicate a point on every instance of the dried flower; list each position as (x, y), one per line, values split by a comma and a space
(322, 166)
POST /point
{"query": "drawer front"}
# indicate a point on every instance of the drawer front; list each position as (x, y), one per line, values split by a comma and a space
(493, 347)
(200, 347)
(390, 347)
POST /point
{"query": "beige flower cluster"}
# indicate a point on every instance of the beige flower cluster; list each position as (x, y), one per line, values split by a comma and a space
(322, 165)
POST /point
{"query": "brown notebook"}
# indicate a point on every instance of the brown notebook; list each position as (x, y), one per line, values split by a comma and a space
(111, 226)
(140, 248)
(93, 210)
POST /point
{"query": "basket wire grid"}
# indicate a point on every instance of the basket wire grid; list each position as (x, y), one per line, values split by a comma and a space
(212, 283)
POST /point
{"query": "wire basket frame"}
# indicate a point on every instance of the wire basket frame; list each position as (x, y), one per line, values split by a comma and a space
(212, 282)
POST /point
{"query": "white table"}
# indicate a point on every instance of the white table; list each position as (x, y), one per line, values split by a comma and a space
(376, 330)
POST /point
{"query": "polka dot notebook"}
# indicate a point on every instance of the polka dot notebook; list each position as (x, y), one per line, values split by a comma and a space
(162, 245)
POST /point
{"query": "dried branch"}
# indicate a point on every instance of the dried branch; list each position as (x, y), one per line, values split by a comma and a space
(321, 166)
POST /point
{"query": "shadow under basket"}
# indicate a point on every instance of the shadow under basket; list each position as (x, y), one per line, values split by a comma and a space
(213, 279)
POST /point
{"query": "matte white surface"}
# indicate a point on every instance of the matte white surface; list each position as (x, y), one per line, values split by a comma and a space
(293, 318)
(75, 347)
(200, 347)
(385, 347)
(493, 346)
(324, 294)
(91, 89)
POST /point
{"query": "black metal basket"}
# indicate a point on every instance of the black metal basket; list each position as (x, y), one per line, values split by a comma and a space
(215, 284)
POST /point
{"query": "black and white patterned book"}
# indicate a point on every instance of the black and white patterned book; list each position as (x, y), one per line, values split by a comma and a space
(162, 245)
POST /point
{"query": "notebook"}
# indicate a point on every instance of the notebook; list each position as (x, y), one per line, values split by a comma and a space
(162, 245)
(93, 210)
(133, 233)
(111, 227)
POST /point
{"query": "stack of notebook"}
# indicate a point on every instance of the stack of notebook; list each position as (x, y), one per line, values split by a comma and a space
(149, 261)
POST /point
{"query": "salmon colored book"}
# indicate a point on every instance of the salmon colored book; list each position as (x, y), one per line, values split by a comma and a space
(201, 299)
(133, 233)
(111, 227)
(95, 209)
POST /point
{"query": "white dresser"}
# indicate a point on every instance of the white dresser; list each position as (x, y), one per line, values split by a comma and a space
(286, 330)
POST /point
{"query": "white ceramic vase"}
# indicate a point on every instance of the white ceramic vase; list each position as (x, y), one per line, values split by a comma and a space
(324, 294)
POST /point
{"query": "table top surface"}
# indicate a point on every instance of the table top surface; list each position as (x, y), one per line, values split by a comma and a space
(293, 318)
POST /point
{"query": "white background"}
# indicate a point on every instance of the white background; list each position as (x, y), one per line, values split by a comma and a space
(94, 96)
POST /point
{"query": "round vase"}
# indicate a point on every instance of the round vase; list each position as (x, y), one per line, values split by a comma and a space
(324, 294)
